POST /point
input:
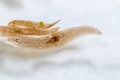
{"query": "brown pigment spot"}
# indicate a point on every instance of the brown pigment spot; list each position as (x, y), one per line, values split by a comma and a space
(54, 39)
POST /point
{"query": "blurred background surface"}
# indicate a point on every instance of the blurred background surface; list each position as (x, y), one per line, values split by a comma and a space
(87, 58)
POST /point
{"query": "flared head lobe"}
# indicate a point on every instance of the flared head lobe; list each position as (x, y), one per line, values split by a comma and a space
(30, 41)
(12, 23)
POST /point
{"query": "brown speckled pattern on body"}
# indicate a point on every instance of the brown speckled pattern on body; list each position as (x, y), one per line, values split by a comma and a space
(30, 24)
(29, 34)
(6, 31)
(54, 40)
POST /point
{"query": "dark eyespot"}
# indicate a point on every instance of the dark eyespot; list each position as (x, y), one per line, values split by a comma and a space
(16, 40)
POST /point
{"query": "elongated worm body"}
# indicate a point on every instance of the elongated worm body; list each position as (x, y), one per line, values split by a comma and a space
(53, 40)
(6, 31)
(31, 24)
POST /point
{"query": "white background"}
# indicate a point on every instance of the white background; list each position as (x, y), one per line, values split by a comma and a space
(87, 58)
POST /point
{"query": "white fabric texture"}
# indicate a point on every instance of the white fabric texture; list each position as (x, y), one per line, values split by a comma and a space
(87, 58)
